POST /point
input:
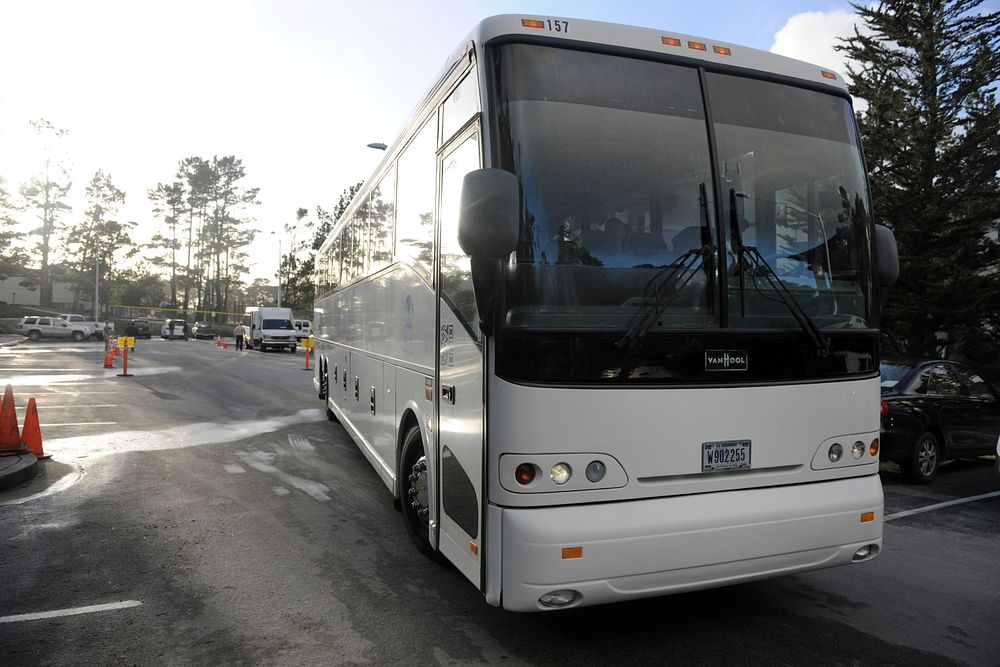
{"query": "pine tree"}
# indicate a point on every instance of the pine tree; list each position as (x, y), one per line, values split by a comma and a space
(101, 239)
(46, 193)
(168, 204)
(296, 273)
(929, 71)
(223, 234)
(12, 256)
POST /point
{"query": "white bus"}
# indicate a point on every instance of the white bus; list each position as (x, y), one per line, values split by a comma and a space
(605, 318)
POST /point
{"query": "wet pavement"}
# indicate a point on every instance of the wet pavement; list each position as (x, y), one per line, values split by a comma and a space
(205, 511)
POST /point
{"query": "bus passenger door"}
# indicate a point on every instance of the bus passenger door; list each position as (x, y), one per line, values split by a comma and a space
(459, 449)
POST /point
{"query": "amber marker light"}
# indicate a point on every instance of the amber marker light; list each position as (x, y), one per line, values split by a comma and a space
(828, 75)
(531, 23)
(670, 41)
(697, 46)
(867, 517)
(572, 552)
(525, 474)
(474, 548)
(722, 50)
(873, 448)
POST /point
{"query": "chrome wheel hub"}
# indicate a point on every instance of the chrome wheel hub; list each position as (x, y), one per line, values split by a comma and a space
(419, 497)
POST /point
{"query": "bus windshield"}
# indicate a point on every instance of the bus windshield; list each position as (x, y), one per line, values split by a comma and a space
(621, 204)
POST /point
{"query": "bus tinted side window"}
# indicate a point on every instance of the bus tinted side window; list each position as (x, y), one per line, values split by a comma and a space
(381, 211)
(415, 201)
(460, 106)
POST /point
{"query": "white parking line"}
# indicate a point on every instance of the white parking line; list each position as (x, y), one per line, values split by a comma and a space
(74, 611)
(52, 390)
(82, 424)
(929, 508)
(72, 407)
(40, 370)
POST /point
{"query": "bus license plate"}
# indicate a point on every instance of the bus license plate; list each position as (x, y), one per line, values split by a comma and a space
(725, 455)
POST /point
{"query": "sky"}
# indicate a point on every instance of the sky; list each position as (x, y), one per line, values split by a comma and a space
(294, 88)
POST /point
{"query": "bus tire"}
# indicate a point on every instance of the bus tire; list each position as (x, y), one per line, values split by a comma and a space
(324, 381)
(414, 492)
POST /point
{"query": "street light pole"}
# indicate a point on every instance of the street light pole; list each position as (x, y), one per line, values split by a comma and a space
(279, 272)
(97, 292)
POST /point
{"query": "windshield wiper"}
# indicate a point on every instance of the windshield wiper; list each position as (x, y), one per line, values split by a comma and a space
(759, 265)
(663, 288)
(737, 238)
(751, 256)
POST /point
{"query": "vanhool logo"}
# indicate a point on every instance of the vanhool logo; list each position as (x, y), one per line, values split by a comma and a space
(726, 360)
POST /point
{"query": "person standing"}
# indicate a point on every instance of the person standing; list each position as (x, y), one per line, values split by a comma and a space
(238, 332)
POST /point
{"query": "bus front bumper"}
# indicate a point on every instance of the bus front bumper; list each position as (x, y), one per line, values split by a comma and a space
(627, 550)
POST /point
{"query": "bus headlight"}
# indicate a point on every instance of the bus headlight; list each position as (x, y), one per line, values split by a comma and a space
(858, 450)
(595, 471)
(846, 450)
(561, 472)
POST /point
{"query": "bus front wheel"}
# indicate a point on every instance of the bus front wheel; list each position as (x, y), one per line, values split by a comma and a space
(324, 381)
(414, 491)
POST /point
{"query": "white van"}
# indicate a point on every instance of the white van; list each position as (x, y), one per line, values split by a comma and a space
(303, 329)
(270, 328)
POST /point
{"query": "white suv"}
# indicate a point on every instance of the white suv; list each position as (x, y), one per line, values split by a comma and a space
(35, 327)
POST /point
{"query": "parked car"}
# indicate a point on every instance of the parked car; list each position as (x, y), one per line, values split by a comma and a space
(94, 328)
(173, 329)
(303, 329)
(37, 326)
(203, 330)
(934, 410)
(142, 328)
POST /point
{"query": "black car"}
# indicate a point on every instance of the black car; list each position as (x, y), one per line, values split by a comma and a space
(142, 328)
(934, 410)
(203, 330)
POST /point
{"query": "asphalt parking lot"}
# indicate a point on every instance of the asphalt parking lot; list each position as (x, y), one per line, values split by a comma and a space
(205, 511)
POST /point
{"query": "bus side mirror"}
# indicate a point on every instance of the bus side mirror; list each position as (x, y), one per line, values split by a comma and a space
(488, 223)
(887, 255)
(488, 218)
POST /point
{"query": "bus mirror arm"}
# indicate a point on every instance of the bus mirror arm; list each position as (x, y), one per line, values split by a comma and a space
(486, 276)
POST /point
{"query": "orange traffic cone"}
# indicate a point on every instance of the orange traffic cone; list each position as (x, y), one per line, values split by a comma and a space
(10, 438)
(109, 358)
(31, 434)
